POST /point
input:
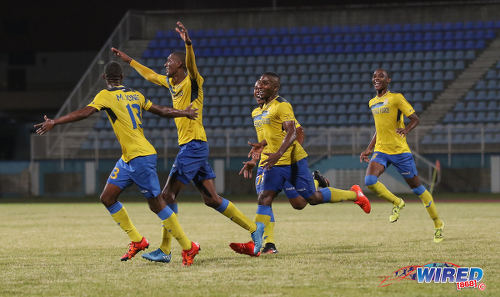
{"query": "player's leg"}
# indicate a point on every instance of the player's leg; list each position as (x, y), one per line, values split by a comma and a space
(268, 186)
(209, 194)
(303, 180)
(377, 166)
(146, 178)
(169, 194)
(118, 180)
(406, 166)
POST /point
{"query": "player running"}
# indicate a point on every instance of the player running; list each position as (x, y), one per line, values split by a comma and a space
(137, 164)
(389, 146)
(286, 160)
(297, 201)
(185, 84)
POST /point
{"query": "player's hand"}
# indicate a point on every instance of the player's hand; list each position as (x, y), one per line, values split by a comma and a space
(256, 150)
(365, 156)
(402, 132)
(272, 158)
(45, 126)
(121, 55)
(183, 33)
(247, 168)
(191, 113)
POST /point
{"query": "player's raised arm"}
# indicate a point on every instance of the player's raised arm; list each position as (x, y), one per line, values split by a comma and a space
(74, 116)
(148, 73)
(169, 112)
(190, 58)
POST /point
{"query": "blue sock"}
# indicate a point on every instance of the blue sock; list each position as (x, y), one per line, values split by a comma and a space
(165, 213)
(115, 207)
(174, 207)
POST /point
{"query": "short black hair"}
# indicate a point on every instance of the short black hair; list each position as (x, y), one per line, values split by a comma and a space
(273, 74)
(113, 71)
(182, 56)
(386, 71)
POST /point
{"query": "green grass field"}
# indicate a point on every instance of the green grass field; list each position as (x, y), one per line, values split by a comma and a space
(73, 249)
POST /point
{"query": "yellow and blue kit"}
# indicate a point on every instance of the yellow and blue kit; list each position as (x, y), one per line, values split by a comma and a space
(391, 148)
(137, 164)
(191, 162)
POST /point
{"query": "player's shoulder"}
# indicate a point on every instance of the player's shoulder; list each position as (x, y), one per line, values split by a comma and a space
(397, 95)
(280, 99)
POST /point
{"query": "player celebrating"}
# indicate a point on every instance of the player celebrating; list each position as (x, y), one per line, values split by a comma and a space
(286, 160)
(191, 164)
(389, 146)
(137, 164)
(297, 201)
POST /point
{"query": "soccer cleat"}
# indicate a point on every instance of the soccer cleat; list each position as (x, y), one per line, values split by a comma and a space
(257, 238)
(322, 181)
(395, 211)
(438, 233)
(244, 248)
(158, 256)
(134, 248)
(269, 248)
(361, 199)
(188, 256)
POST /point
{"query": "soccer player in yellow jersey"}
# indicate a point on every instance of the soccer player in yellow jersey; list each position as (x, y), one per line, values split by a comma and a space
(287, 160)
(297, 201)
(124, 107)
(191, 164)
(389, 146)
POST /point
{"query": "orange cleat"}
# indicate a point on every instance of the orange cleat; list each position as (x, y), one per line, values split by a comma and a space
(361, 199)
(188, 255)
(134, 248)
(244, 248)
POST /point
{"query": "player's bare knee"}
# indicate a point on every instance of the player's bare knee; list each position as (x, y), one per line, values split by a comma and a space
(107, 200)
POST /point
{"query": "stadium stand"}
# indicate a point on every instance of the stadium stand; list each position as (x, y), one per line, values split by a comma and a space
(326, 73)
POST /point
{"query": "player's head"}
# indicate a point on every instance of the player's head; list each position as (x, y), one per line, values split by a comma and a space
(113, 72)
(257, 94)
(381, 79)
(176, 62)
(269, 85)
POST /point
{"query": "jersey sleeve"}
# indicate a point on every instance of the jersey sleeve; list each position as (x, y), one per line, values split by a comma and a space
(191, 64)
(146, 103)
(285, 112)
(148, 73)
(99, 102)
(404, 106)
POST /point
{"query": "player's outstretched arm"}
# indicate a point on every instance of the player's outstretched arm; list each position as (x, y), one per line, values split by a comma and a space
(74, 116)
(122, 55)
(190, 58)
(148, 73)
(365, 155)
(169, 112)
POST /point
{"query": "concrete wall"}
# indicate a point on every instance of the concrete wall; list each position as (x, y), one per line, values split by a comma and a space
(330, 15)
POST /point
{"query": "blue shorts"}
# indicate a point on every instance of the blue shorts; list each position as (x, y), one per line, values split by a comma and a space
(141, 171)
(297, 175)
(191, 163)
(404, 163)
(289, 189)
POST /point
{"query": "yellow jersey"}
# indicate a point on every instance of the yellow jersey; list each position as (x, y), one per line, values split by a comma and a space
(188, 91)
(388, 112)
(257, 122)
(124, 109)
(272, 117)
